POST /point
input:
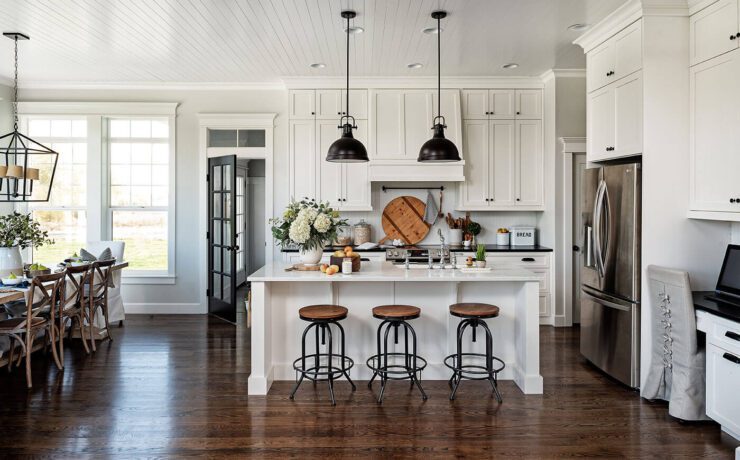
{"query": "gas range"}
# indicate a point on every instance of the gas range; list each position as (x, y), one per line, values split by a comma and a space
(417, 253)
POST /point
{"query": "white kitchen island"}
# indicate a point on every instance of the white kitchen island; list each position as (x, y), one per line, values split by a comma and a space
(278, 294)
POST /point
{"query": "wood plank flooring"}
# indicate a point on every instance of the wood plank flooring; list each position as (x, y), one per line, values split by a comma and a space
(175, 386)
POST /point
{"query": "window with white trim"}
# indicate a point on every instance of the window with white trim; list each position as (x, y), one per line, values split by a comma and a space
(114, 181)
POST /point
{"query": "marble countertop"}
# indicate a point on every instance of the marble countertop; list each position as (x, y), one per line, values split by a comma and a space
(489, 248)
(386, 271)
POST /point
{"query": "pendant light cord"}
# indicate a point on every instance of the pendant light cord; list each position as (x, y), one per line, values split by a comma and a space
(347, 96)
(15, 88)
(439, 68)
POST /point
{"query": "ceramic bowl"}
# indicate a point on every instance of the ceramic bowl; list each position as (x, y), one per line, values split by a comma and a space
(12, 282)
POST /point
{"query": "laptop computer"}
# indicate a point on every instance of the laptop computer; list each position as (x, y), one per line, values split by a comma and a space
(728, 283)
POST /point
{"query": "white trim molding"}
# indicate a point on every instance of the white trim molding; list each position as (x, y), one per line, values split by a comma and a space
(237, 120)
(163, 308)
(414, 82)
(551, 74)
(165, 109)
(150, 85)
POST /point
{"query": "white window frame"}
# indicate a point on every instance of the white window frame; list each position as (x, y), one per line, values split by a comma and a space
(99, 211)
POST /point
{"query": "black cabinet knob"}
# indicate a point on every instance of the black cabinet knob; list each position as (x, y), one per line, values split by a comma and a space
(733, 37)
(734, 200)
(519, 113)
(313, 113)
(518, 199)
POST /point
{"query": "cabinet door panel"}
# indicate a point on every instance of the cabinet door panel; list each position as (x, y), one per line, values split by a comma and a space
(387, 118)
(329, 182)
(356, 177)
(628, 51)
(600, 124)
(528, 104)
(451, 112)
(302, 159)
(503, 162)
(475, 104)
(599, 62)
(710, 31)
(530, 163)
(475, 189)
(357, 103)
(501, 104)
(715, 137)
(628, 116)
(328, 104)
(302, 104)
(418, 117)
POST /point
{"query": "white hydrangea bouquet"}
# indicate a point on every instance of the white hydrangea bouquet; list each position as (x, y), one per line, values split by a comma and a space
(307, 225)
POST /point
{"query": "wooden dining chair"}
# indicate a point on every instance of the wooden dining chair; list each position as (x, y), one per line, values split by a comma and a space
(74, 306)
(45, 294)
(100, 279)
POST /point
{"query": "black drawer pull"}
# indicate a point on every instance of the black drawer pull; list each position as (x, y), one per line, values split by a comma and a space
(732, 358)
(732, 335)
(528, 259)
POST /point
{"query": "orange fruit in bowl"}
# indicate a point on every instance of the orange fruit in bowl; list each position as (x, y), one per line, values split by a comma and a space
(347, 249)
(323, 268)
(335, 268)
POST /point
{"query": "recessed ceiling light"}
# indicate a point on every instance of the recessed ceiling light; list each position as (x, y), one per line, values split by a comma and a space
(355, 30)
(578, 27)
(511, 65)
(415, 65)
(318, 65)
(432, 30)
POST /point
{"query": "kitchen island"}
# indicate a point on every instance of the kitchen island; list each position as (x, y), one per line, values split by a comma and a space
(278, 294)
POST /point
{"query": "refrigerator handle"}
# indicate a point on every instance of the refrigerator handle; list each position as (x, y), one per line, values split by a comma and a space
(606, 209)
(597, 232)
(588, 246)
(605, 302)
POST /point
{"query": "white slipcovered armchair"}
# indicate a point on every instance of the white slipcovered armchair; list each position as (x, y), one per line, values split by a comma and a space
(115, 302)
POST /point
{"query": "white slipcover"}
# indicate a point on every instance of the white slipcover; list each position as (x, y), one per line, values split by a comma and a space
(115, 302)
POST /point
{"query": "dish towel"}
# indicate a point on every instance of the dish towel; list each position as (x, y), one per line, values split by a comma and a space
(431, 214)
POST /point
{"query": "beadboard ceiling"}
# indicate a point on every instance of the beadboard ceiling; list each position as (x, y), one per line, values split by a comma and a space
(245, 41)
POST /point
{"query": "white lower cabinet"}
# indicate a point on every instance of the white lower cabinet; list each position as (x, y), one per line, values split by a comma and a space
(715, 137)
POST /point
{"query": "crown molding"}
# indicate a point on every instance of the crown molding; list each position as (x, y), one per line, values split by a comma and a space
(153, 86)
(627, 14)
(697, 5)
(573, 144)
(562, 73)
(412, 82)
(266, 120)
(99, 108)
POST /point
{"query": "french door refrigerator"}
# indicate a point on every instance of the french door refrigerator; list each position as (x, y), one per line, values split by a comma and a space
(610, 270)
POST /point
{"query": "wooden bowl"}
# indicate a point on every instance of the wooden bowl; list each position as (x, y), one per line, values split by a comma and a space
(334, 260)
(35, 273)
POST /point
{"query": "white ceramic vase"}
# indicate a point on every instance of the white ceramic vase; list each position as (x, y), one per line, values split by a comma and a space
(10, 261)
(311, 256)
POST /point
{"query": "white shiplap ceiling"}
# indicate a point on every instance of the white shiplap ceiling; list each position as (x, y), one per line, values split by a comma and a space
(242, 41)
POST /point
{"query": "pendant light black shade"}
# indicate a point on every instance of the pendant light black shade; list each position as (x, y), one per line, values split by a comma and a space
(347, 149)
(438, 149)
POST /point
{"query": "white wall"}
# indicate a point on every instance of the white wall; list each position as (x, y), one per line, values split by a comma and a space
(184, 296)
(735, 233)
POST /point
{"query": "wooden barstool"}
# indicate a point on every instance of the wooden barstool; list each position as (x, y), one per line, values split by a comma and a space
(395, 316)
(464, 365)
(319, 367)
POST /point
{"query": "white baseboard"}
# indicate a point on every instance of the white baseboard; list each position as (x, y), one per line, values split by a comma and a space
(164, 308)
(546, 321)
(560, 321)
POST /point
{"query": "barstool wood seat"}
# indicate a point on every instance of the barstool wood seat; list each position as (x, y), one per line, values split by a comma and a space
(323, 313)
(396, 312)
(474, 310)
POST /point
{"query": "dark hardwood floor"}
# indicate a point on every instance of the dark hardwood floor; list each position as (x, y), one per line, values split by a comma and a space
(176, 386)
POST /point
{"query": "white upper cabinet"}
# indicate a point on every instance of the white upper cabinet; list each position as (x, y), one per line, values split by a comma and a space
(501, 103)
(616, 58)
(528, 104)
(302, 104)
(328, 104)
(475, 190)
(600, 108)
(475, 104)
(356, 178)
(401, 123)
(453, 118)
(715, 137)
(530, 164)
(357, 103)
(628, 116)
(302, 159)
(418, 115)
(502, 169)
(714, 30)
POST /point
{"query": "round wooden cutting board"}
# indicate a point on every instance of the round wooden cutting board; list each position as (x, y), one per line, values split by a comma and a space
(403, 218)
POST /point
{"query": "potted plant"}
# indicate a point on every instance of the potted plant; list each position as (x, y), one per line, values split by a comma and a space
(473, 230)
(480, 256)
(18, 231)
(307, 225)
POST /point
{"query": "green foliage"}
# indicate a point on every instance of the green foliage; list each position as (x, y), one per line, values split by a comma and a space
(307, 224)
(474, 228)
(480, 253)
(21, 230)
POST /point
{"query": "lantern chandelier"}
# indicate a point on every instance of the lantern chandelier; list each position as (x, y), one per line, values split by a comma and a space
(20, 156)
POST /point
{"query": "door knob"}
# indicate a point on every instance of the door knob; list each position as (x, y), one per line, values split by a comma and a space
(576, 248)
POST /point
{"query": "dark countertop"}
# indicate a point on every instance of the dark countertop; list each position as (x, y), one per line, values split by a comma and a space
(489, 248)
(726, 311)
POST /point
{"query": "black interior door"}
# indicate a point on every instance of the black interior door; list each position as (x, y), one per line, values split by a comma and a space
(222, 246)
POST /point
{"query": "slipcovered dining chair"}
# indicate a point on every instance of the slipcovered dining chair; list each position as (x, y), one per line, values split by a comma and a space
(46, 293)
(115, 302)
(677, 358)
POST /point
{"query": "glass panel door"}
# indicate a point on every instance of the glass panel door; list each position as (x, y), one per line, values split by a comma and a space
(222, 245)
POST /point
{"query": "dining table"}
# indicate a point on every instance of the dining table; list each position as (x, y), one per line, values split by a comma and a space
(14, 299)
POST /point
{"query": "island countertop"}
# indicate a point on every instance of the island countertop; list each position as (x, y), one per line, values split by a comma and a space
(386, 271)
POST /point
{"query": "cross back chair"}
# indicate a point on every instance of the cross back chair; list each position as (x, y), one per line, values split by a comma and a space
(46, 293)
(99, 281)
(74, 307)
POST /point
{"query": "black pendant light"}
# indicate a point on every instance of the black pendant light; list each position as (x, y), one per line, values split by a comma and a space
(23, 160)
(347, 149)
(438, 149)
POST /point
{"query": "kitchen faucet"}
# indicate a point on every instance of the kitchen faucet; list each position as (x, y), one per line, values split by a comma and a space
(441, 249)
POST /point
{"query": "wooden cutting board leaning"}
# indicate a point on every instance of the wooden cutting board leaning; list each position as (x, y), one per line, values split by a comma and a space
(403, 219)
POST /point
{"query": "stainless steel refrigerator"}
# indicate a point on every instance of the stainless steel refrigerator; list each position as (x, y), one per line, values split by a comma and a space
(610, 270)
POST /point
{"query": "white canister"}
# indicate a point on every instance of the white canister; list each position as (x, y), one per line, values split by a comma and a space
(455, 236)
(10, 261)
(347, 266)
(502, 239)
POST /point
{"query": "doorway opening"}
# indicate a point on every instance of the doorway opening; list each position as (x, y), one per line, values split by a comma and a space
(579, 166)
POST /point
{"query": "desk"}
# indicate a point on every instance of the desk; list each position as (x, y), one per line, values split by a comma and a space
(721, 324)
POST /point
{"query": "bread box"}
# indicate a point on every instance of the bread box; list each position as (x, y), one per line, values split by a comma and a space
(523, 236)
